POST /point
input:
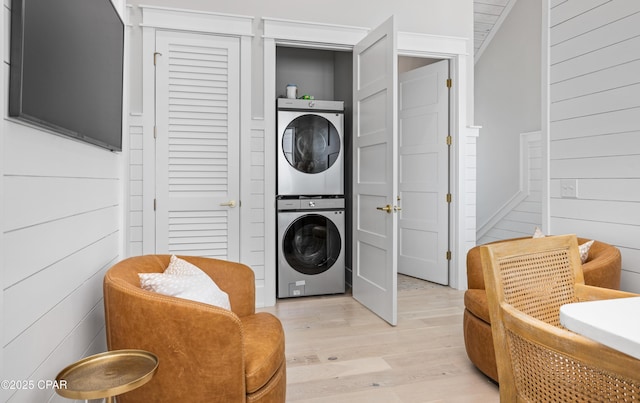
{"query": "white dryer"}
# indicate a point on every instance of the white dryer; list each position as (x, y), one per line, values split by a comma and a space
(310, 147)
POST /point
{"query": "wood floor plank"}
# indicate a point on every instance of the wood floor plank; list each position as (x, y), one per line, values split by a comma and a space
(338, 351)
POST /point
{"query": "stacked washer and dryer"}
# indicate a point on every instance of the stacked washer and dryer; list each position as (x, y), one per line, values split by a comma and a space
(310, 200)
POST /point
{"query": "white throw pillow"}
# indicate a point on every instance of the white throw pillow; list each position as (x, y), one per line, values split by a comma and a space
(538, 233)
(184, 280)
(584, 248)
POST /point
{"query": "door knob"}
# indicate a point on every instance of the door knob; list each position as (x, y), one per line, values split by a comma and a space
(386, 208)
(230, 203)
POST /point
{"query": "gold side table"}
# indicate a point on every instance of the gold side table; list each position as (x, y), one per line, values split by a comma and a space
(107, 375)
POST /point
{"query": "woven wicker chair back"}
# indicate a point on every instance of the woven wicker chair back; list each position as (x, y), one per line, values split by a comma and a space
(539, 361)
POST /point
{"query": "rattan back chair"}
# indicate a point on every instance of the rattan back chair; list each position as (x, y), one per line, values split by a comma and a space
(538, 360)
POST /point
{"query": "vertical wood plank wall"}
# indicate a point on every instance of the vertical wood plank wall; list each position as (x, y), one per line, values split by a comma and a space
(594, 129)
(61, 228)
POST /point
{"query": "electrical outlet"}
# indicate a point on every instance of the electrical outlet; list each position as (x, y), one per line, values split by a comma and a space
(569, 188)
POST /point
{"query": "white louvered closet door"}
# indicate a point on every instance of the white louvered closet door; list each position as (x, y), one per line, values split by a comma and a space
(197, 145)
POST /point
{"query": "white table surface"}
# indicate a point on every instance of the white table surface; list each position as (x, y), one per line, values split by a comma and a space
(612, 322)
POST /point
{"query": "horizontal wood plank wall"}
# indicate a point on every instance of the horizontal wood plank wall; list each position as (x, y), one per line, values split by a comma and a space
(595, 130)
(61, 227)
(467, 232)
(254, 254)
(471, 162)
(135, 221)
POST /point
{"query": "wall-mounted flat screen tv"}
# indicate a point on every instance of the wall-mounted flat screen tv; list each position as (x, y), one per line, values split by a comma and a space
(67, 68)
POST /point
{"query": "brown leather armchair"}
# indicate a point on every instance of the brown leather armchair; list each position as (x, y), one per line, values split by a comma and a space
(602, 269)
(206, 353)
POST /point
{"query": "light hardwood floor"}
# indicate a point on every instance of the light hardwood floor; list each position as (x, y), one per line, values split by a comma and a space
(338, 351)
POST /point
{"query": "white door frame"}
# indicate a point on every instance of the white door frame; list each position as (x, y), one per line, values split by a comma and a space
(433, 265)
(339, 37)
(160, 18)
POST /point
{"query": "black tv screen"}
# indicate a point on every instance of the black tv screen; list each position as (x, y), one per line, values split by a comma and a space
(67, 68)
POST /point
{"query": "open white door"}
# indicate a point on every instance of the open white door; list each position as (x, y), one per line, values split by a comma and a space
(197, 145)
(375, 172)
(423, 180)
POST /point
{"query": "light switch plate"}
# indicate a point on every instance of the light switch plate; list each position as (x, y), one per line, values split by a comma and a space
(569, 188)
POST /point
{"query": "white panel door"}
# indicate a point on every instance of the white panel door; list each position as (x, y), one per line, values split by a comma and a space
(374, 185)
(197, 145)
(423, 173)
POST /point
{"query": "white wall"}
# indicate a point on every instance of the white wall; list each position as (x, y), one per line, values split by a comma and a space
(507, 103)
(61, 228)
(594, 128)
(524, 214)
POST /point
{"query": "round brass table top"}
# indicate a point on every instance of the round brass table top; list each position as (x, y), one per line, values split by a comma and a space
(107, 374)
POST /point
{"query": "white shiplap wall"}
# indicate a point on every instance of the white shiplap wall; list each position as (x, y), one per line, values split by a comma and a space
(60, 229)
(595, 125)
(136, 188)
(471, 169)
(254, 253)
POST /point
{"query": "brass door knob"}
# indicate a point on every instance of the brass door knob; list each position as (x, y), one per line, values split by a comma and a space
(230, 203)
(386, 208)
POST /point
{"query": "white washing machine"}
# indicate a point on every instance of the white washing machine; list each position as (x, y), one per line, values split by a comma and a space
(310, 147)
(310, 246)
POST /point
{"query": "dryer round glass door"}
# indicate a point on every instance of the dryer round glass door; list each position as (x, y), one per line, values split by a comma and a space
(311, 144)
(311, 244)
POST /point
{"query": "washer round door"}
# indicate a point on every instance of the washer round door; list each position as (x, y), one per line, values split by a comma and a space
(311, 244)
(311, 144)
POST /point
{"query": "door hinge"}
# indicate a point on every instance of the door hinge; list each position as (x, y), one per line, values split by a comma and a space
(154, 204)
(449, 83)
(155, 132)
(449, 197)
(449, 140)
(448, 255)
(155, 57)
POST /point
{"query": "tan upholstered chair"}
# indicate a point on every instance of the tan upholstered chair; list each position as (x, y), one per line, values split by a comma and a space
(539, 361)
(602, 269)
(206, 353)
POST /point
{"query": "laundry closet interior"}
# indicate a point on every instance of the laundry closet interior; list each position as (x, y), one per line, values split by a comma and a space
(314, 216)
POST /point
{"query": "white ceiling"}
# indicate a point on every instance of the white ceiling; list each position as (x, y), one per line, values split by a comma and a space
(488, 15)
